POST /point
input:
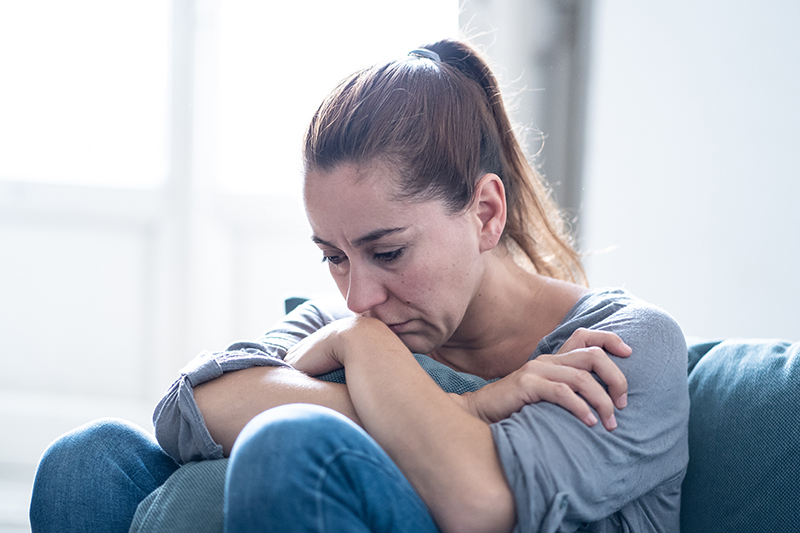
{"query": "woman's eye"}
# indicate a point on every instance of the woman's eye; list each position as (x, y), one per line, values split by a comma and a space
(388, 257)
(333, 259)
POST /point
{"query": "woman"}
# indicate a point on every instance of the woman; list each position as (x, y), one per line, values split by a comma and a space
(443, 242)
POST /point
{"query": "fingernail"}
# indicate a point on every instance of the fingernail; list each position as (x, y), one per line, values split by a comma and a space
(591, 419)
(612, 422)
(622, 401)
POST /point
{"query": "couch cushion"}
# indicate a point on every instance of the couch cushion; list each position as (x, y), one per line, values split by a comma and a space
(744, 437)
(190, 501)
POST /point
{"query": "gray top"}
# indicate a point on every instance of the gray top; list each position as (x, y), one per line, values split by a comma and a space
(568, 477)
(564, 475)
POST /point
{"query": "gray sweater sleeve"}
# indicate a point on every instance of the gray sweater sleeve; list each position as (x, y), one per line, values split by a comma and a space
(179, 426)
(566, 476)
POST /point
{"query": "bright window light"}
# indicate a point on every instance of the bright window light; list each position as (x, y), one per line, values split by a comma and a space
(84, 91)
(278, 61)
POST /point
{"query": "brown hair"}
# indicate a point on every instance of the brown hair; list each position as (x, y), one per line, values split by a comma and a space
(442, 124)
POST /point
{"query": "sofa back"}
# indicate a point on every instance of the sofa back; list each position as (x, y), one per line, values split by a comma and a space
(744, 437)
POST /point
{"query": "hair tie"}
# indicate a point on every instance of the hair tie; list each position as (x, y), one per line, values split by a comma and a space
(424, 53)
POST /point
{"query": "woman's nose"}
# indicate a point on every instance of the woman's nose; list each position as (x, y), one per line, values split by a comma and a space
(365, 290)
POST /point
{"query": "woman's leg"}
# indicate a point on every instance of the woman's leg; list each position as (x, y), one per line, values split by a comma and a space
(92, 478)
(307, 468)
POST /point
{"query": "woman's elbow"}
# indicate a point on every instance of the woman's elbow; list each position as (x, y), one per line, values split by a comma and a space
(488, 509)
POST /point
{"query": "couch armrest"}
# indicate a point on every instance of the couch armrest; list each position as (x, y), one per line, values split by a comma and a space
(744, 437)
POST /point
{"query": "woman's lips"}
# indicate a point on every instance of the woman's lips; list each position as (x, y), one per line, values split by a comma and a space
(400, 327)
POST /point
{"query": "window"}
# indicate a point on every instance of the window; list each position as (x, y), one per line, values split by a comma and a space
(276, 64)
(84, 97)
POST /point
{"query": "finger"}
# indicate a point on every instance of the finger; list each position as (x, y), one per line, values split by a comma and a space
(550, 382)
(596, 361)
(293, 353)
(584, 384)
(583, 338)
(561, 394)
(615, 345)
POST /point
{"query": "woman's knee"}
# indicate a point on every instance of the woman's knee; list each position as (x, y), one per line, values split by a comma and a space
(336, 473)
(289, 446)
(85, 445)
(98, 443)
(285, 450)
(297, 428)
(108, 459)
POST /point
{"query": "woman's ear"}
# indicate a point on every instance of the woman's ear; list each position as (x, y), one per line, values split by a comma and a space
(490, 208)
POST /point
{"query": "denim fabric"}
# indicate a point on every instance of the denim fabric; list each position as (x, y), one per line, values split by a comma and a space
(303, 467)
(92, 478)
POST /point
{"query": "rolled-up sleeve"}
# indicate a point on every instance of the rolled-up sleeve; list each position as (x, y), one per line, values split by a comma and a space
(179, 426)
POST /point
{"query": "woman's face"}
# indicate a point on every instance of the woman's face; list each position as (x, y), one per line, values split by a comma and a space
(412, 265)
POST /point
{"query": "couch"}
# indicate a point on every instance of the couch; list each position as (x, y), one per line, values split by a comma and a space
(744, 447)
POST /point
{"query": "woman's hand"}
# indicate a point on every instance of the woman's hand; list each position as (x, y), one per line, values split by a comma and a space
(565, 379)
(317, 353)
(324, 350)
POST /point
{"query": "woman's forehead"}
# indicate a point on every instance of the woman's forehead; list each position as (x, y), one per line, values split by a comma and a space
(348, 203)
(338, 202)
(377, 174)
(351, 184)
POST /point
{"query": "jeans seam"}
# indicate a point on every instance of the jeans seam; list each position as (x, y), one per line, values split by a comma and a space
(323, 475)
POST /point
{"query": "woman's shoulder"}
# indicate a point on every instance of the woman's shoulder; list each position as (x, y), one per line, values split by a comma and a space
(617, 309)
(648, 329)
(599, 303)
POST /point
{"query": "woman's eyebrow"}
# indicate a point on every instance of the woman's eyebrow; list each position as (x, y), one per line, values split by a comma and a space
(323, 242)
(376, 235)
(361, 241)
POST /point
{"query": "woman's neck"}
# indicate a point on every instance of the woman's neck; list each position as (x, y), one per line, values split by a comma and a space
(509, 315)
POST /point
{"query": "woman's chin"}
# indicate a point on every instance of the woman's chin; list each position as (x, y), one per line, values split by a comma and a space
(417, 343)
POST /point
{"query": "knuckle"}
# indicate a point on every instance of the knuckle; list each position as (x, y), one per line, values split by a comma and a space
(562, 391)
(617, 378)
(612, 374)
(604, 408)
(532, 366)
(528, 376)
(527, 381)
(621, 383)
(584, 380)
(596, 352)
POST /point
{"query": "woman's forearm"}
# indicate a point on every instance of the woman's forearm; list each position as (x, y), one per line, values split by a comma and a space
(229, 402)
(448, 455)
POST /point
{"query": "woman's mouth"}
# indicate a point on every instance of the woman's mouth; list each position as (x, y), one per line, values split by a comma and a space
(400, 327)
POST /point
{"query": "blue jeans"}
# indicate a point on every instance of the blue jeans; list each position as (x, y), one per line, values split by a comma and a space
(307, 468)
(93, 478)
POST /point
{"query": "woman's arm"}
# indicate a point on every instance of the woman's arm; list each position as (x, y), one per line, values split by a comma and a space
(565, 379)
(230, 401)
(447, 454)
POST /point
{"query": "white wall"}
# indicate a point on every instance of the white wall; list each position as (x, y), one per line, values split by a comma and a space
(693, 157)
